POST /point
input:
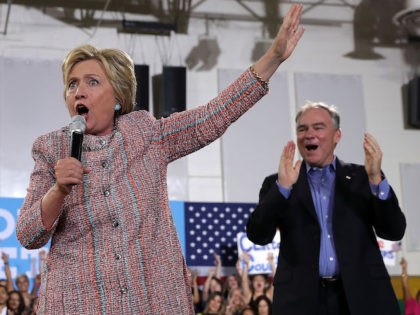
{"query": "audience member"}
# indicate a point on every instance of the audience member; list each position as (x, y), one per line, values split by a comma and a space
(235, 302)
(411, 305)
(232, 281)
(215, 304)
(4, 296)
(248, 311)
(9, 280)
(22, 284)
(263, 305)
(255, 285)
(16, 304)
(211, 285)
(213, 281)
(196, 292)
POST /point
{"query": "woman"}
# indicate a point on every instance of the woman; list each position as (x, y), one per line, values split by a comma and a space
(196, 292)
(16, 304)
(248, 311)
(235, 302)
(260, 284)
(22, 283)
(263, 305)
(4, 296)
(215, 304)
(233, 281)
(114, 246)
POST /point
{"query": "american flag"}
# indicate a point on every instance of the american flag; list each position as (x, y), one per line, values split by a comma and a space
(211, 228)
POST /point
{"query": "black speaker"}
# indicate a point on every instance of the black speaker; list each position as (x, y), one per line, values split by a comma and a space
(142, 95)
(414, 102)
(169, 91)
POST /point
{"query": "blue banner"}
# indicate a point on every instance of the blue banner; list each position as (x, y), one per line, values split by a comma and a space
(21, 260)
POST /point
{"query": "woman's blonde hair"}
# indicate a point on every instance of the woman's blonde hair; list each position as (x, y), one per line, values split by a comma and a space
(118, 66)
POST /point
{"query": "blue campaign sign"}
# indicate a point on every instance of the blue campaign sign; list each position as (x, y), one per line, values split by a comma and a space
(178, 213)
(21, 260)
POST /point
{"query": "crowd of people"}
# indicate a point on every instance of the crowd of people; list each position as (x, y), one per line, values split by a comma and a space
(238, 293)
(15, 297)
(243, 294)
(235, 294)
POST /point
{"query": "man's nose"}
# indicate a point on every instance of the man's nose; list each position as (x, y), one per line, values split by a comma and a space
(309, 133)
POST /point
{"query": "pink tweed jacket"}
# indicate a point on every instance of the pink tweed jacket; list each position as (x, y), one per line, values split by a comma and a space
(114, 248)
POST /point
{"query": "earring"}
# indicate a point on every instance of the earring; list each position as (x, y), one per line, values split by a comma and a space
(117, 107)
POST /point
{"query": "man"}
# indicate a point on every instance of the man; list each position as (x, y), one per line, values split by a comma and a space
(328, 213)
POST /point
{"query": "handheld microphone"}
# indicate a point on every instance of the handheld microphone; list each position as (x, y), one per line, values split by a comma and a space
(77, 128)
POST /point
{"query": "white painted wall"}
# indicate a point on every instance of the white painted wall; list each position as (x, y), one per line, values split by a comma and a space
(32, 35)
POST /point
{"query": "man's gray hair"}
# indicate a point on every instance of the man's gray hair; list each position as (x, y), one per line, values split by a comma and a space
(331, 109)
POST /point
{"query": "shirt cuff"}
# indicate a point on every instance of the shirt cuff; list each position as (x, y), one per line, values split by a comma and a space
(284, 191)
(382, 190)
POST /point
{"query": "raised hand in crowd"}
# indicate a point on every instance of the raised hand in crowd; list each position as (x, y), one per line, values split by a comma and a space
(411, 304)
(212, 284)
(218, 264)
(9, 281)
(270, 259)
(196, 292)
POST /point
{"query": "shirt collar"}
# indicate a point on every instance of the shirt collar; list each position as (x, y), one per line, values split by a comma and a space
(332, 166)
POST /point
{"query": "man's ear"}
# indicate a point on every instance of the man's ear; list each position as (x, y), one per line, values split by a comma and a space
(337, 136)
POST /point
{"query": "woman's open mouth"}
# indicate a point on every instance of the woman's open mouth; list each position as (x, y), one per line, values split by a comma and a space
(82, 109)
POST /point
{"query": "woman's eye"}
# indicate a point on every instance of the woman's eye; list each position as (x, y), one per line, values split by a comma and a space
(72, 84)
(93, 82)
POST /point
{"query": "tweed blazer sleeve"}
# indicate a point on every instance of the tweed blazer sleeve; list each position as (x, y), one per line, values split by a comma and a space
(186, 132)
(30, 229)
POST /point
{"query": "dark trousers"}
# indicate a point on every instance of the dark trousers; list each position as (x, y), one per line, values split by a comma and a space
(332, 297)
